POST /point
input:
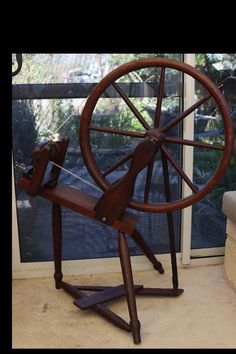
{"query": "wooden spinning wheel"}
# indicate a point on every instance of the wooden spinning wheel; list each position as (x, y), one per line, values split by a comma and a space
(155, 132)
(110, 208)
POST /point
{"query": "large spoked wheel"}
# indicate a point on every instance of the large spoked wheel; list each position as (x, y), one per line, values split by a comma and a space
(156, 130)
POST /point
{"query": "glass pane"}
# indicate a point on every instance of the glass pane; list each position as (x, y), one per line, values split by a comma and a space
(208, 221)
(35, 120)
(62, 68)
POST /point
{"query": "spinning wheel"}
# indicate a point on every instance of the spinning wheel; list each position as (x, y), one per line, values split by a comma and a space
(156, 131)
(110, 208)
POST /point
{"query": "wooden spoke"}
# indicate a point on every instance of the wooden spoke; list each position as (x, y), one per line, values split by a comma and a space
(184, 114)
(118, 164)
(159, 98)
(116, 131)
(131, 106)
(200, 144)
(148, 182)
(179, 169)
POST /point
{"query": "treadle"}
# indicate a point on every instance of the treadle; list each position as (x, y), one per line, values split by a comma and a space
(92, 287)
(101, 309)
(159, 291)
(102, 296)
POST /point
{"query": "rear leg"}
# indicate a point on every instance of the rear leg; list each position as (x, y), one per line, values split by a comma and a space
(147, 251)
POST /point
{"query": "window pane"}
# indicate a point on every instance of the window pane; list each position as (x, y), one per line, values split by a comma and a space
(208, 221)
(35, 120)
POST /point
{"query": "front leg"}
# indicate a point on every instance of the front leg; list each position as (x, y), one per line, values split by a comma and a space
(57, 241)
(129, 287)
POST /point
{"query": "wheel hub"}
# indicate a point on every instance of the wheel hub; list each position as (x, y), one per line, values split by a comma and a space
(155, 134)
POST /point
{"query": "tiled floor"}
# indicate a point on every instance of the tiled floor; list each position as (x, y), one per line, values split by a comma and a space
(204, 316)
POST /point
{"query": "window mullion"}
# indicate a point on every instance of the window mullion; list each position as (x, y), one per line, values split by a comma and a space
(188, 133)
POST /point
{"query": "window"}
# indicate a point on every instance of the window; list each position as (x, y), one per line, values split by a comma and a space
(208, 221)
(48, 98)
(41, 115)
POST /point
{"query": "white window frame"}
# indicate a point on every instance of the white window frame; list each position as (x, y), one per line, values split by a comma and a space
(186, 256)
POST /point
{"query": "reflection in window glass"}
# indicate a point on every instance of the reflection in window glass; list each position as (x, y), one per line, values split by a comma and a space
(35, 120)
(76, 68)
(208, 221)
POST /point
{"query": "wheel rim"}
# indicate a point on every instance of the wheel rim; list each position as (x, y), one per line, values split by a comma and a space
(163, 64)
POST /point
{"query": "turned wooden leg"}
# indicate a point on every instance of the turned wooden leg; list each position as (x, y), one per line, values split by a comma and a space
(56, 232)
(170, 222)
(172, 250)
(147, 251)
(129, 287)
